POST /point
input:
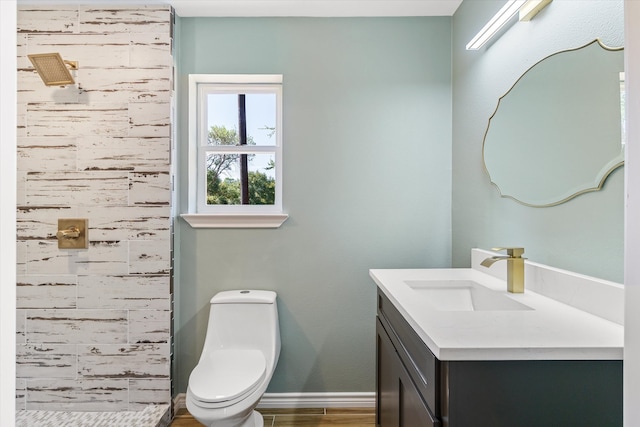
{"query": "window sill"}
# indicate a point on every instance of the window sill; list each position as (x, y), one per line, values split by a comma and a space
(235, 220)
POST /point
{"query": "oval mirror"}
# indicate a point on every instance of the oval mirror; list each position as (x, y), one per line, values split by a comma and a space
(557, 132)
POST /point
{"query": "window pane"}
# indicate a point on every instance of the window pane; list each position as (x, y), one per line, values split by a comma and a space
(223, 121)
(224, 179)
(261, 117)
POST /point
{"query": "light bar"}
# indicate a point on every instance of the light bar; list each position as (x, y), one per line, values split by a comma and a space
(495, 24)
(531, 9)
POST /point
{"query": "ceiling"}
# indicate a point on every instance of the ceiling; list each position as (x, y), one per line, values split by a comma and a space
(187, 8)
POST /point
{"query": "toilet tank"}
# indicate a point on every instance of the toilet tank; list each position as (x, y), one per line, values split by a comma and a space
(244, 319)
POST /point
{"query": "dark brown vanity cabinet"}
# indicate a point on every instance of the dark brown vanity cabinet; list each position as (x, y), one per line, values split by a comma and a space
(415, 389)
(399, 402)
(406, 377)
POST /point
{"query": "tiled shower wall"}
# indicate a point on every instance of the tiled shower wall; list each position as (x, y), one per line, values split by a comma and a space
(94, 324)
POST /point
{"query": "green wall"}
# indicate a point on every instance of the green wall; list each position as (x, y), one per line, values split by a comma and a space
(586, 234)
(367, 184)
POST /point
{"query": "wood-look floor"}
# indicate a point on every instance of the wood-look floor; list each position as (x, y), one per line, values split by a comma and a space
(311, 417)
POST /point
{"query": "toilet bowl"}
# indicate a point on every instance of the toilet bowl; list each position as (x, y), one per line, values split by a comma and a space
(240, 353)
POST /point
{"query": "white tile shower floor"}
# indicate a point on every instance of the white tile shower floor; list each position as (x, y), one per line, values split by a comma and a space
(151, 416)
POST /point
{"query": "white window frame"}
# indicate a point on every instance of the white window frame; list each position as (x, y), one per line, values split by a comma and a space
(201, 215)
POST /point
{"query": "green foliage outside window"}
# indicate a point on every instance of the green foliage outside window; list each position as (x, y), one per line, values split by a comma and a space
(262, 188)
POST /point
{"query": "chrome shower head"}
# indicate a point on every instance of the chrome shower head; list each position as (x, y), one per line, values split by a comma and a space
(53, 69)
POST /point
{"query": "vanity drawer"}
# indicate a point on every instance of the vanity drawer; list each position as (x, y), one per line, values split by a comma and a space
(421, 364)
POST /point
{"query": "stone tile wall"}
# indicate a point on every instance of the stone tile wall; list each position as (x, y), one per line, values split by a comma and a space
(94, 324)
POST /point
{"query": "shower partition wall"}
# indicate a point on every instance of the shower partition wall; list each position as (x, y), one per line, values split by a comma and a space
(94, 324)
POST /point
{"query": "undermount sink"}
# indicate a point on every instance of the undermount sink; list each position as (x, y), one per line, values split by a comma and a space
(463, 295)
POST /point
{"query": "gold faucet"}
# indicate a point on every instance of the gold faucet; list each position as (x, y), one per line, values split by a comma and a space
(515, 267)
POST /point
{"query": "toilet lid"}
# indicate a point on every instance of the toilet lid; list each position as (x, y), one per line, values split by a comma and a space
(227, 374)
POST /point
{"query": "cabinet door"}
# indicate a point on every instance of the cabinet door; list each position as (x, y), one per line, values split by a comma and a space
(399, 403)
(387, 385)
(413, 410)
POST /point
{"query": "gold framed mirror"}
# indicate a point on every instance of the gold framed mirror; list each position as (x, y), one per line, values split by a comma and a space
(557, 132)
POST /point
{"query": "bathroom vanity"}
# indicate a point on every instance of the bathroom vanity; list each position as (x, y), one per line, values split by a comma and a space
(455, 350)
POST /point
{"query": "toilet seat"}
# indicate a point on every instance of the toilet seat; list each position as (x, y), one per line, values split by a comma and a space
(227, 375)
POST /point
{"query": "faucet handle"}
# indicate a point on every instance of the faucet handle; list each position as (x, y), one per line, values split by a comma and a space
(512, 252)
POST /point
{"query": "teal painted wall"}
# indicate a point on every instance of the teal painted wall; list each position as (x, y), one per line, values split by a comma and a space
(367, 184)
(586, 234)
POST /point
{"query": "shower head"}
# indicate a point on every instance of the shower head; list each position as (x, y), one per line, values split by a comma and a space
(53, 69)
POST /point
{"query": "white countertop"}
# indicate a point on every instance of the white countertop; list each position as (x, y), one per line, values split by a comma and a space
(550, 331)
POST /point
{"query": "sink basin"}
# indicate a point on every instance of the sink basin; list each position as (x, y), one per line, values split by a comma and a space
(463, 295)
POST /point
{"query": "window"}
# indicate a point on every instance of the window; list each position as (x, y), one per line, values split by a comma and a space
(235, 135)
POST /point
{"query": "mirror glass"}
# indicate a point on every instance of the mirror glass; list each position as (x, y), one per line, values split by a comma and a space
(557, 132)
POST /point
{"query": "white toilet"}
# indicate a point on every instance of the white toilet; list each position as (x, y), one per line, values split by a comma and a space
(240, 353)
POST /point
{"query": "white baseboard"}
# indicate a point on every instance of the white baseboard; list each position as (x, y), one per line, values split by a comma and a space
(179, 402)
(318, 400)
(305, 400)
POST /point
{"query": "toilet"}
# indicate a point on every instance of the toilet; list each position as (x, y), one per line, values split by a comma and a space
(240, 353)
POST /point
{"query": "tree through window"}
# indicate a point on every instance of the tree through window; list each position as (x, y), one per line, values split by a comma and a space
(239, 146)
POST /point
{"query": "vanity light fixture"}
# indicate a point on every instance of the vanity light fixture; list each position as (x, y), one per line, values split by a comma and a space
(53, 69)
(527, 8)
(495, 24)
(531, 8)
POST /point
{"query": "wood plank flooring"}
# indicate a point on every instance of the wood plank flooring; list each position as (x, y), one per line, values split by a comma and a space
(300, 417)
